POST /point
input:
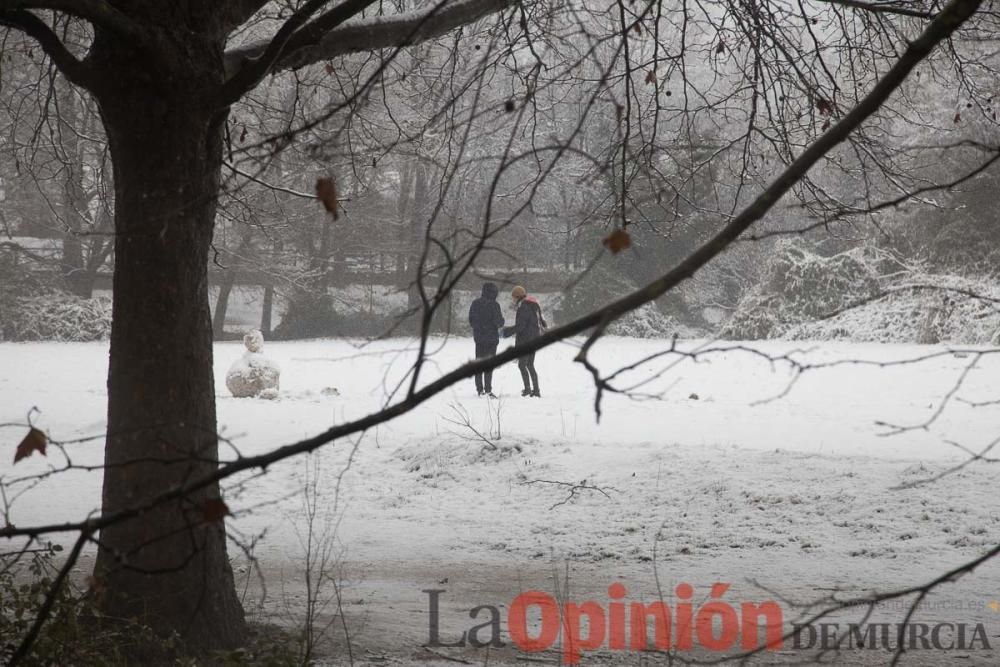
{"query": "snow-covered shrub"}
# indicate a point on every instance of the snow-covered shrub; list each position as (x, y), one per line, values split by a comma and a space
(922, 308)
(57, 316)
(649, 322)
(601, 285)
(315, 315)
(865, 294)
(309, 315)
(966, 246)
(801, 285)
(606, 283)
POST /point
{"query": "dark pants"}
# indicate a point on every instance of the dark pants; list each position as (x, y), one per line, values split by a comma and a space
(484, 350)
(526, 365)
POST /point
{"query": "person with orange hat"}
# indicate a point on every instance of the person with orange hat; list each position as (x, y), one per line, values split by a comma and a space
(528, 325)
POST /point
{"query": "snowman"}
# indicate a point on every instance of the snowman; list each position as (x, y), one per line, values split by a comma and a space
(253, 374)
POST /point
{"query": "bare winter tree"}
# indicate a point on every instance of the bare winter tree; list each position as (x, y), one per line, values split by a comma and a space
(164, 83)
(167, 75)
(56, 150)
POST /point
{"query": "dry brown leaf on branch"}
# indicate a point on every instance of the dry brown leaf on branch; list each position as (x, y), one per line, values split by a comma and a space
(326, 192)
(35, 441)
(214, 509)
(650, 77)
(617, 241)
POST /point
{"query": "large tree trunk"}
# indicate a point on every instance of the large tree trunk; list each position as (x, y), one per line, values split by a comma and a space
(168, 568)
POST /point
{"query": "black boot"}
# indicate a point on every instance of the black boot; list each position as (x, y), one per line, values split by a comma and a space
(536, 393)
(525, 392)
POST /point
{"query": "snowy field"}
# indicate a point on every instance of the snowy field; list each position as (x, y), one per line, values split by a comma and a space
(734, 467)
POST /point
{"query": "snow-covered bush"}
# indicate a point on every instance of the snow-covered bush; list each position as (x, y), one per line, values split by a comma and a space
(649, 322)
(965, 246)
(313, 314)
(606, 283)
(801, 285)
(57, 316)
(923, 308)
(602, 284)
(865, 294)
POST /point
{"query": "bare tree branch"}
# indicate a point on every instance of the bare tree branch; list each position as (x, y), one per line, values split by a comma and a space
(72, 68)
(99, 12)
(574, 488)
(403, 29)
(882, 8)
(293, 35)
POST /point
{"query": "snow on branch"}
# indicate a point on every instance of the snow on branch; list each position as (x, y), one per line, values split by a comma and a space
(883, 8)
(295, 33)
(397, 30)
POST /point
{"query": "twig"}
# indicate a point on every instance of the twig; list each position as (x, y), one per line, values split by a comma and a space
(573, 489)
(465, 422)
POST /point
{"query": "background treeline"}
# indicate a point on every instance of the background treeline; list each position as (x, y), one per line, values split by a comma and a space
(422, 157)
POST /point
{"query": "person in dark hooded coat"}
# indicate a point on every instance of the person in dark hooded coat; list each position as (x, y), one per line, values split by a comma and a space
(486, 321)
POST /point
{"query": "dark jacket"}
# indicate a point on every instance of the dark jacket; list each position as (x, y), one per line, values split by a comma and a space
(485, 317)
(528, 323)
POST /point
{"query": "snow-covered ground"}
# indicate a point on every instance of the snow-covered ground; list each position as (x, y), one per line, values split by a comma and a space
(732, 467)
